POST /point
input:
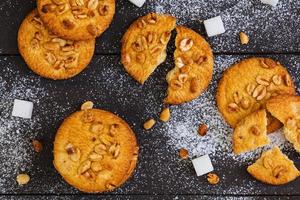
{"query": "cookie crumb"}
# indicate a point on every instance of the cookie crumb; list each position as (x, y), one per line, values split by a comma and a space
(23, 179)
(202, 130)
(37, 146)
(213, 179)
(165, 115)
(183, 153)
(244, 38)
(149, 124)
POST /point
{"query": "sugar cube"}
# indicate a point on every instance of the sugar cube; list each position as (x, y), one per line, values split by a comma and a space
(138, 3)
(202, 165)
(270, 2)
(214, 26)
(22, 109)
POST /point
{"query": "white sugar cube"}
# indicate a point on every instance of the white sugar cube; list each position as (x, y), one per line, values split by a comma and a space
(214, 26)
(202, 165)
(270, 2)
(22, 109)
(138, 3)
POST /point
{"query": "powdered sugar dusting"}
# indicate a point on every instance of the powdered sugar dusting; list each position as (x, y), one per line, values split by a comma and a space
(15, 133)
(264, 24)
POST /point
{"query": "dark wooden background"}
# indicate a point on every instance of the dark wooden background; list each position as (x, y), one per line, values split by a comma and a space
(276, 35)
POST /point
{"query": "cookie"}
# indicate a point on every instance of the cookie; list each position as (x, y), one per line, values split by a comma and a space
(95, 150)
(77, 19)
(246, 86)
(286, 108)
(144, 44)
(251, 132)
(274, 168)
(48, 55)
(193, 67)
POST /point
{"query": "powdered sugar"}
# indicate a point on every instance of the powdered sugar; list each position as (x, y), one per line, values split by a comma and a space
(15, 133)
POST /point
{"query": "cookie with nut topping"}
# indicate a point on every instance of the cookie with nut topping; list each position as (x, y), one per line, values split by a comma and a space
(286, 108)
(273, 167)
(246, 86)
(251, 132)
(49, 55)
(144, 44)
(77, 19)
(95, 150)
(193, 67)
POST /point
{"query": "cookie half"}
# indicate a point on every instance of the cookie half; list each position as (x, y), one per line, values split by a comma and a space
(246, 86)
(77, 19)
(144, 44)
(274, 168)
(286, 108)
(95, 150)
(251, 132)
(193, 67)
(48, 55)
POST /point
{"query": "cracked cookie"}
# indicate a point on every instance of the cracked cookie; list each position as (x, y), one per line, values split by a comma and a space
(77, 19)
(144, 44)
(193, 67)
(286, 108)
(48, 55)
(273, 167)
(95, 150)
(246, 86)
(251, 132)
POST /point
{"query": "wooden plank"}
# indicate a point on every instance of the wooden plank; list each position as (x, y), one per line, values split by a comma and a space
(144, 197)
(105, 82)
(270, 29)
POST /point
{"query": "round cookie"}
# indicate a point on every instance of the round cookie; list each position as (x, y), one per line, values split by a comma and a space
(246, 86)
(193, 67)
(48, 55)
(144, 44)
(77, 19)
(95, 150)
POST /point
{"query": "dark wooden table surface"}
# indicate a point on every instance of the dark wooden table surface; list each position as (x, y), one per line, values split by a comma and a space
(273, 32)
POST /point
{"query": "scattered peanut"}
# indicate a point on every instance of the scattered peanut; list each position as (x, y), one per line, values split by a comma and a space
(23, 179)
(213, 179)
(244, 38)
(202, 130)
(149, 124)
(183, 153)
(165, 115)
(37, 146)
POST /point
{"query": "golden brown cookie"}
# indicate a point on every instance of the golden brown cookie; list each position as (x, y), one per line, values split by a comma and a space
(286, 108)
(193, 67)
(95, 151)
(251, 132)
(245, 87)
(48, 55)
(77, 19)
(144, 44)
(274, 168)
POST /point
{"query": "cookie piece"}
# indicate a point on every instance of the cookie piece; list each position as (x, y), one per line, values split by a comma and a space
(245, 87)
(273, 167)
(77, 19)
(144, 44)
(286, 108)
(193, 67)
(48, 55)
(95, 150)
(251, 132)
